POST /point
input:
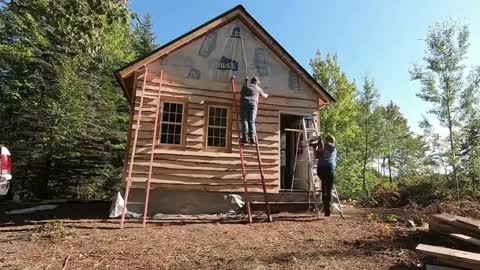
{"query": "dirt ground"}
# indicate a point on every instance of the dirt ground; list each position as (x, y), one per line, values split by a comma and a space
(293, 241)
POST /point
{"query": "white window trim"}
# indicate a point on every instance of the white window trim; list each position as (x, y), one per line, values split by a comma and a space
(182, 139)
(227, 127)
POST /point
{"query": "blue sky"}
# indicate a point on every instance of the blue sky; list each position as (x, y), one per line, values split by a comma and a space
(378, 38)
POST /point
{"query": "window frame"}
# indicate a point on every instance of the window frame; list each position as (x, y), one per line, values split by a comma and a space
(183, 135)
(228, 128)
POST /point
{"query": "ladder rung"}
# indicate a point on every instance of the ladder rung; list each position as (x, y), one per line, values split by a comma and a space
(293, 130)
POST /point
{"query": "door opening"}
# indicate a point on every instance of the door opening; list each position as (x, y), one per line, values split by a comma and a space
(288, 142)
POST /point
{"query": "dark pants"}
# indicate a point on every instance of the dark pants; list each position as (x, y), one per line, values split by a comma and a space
(327, 175)
(248, 113)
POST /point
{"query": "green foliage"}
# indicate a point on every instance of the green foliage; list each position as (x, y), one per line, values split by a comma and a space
(62, 113)
(391, 218)
(340, 119)
(444, 86)
(423, 190)
(386, 194)
(369, 122)
(54, 231)
(143, 36)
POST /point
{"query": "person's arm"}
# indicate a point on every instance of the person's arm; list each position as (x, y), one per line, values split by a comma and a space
(319, 148)
(263, 94)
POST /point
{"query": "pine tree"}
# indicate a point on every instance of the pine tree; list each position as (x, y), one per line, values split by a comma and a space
(144, 36)
(61, 113)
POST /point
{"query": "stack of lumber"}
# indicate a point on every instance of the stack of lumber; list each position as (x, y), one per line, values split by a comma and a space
(451, 224)
(463, 229)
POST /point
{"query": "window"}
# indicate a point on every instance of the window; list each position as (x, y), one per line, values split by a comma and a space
(218, 126)
(171, 125)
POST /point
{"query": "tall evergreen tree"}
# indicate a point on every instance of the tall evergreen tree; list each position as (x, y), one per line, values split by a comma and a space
(60, 111)
(144, 36)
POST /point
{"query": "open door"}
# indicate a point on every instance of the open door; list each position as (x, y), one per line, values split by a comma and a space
(288, 142)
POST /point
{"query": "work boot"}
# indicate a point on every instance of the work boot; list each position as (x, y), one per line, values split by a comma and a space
(327, 212)
(252, 140)
(244, 140)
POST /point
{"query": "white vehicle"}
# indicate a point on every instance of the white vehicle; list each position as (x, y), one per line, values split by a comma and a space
(5, 170)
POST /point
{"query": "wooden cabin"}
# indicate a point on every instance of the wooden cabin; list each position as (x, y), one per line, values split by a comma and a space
(196, 142)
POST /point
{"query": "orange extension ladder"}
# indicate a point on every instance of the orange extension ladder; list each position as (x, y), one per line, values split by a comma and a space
(135, 138)
(242, 160)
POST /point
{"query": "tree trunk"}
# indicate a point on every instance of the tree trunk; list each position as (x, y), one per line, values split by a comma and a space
(452, 151)
(45, 179)
(365, 157)
(390, 168)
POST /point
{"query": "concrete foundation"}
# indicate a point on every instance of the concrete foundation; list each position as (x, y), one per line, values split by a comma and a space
(196, 202)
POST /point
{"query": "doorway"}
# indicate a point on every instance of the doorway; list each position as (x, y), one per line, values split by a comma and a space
(288, 143)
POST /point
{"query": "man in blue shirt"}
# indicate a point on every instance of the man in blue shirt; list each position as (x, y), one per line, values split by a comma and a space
(326, 153)
(248, 108)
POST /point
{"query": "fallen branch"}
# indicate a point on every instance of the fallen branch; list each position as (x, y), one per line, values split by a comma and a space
(66, 262)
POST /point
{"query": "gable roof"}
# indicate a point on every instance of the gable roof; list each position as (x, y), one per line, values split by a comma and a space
(237, 12)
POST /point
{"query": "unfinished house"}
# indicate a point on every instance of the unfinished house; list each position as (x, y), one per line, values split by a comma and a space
(195, 161)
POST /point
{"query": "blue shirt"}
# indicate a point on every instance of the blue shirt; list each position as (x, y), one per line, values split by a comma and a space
(328, 157)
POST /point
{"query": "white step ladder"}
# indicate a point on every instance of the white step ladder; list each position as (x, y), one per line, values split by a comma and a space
(308, 129)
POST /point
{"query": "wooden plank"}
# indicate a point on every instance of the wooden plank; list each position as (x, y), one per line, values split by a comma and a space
(198, 96)
(454, 263)
(217, 174)
(446, 224)
(469, 222)
(274, 95)
(198, 167)
(217, 188)
(450, 254)
(173, 179)
(438, 267)
(208, 85)
(465, 238)
(208, 160)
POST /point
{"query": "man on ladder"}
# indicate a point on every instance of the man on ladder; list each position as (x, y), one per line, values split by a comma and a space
(248, 108)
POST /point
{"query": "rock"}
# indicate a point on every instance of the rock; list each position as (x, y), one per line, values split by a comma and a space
(410, 223)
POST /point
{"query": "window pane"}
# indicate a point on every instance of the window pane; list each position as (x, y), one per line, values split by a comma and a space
(223, 122)
(210, 132)
(178, 129)
(171, 117)
(165, 116)
(163, 139)
(170, 132)
(179, 118)
(217, 123)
